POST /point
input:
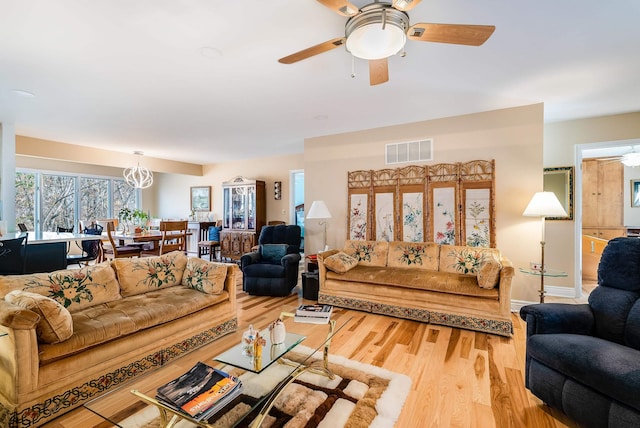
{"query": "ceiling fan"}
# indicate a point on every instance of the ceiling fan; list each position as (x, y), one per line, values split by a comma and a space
(380, 29)
(630, 158)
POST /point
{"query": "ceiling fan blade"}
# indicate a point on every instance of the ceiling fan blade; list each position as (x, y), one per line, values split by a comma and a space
(343, 7)
(472, 35)
(313, 50)
(378, 71)
(405, 4)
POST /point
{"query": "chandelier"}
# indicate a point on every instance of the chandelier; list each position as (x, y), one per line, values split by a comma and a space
(138, 176)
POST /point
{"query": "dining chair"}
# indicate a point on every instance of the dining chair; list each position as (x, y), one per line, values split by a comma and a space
(22, 227)
(174, 236)
(212, 243)
(61, 229)
(13, 255)
(119, 251)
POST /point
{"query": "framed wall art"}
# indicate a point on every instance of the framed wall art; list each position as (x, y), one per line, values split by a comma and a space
(201, 198)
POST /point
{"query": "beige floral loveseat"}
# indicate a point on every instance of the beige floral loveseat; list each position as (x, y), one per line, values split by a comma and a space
(75, 334)
(466, 287)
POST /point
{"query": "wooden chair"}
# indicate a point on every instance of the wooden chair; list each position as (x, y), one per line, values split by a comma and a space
(209, 246)
(119, 251)
(174, 236)
(22, 227)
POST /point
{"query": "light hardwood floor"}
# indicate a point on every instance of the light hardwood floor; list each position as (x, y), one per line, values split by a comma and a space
(459, 378)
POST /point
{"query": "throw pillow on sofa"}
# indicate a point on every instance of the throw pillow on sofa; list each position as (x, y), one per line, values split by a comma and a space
(75, 289)
(414, 255)
(489, 273)
(204, 276)
(340, 262)
(464, 260)
(368, 253)
(55, 325)
(138, 276)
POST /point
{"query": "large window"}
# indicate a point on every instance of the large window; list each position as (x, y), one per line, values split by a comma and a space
(46, 201)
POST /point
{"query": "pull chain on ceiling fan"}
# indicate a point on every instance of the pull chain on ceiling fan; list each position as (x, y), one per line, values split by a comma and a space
(378, 30)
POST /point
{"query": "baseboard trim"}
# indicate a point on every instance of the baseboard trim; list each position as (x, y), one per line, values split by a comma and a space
(551, 290)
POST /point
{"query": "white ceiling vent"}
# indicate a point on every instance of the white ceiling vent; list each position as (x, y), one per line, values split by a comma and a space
(411, 151)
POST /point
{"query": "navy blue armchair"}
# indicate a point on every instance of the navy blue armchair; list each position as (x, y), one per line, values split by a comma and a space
(584, 360)
(272, 270)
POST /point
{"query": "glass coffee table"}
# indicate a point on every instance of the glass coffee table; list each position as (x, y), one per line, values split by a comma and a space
(267, 376)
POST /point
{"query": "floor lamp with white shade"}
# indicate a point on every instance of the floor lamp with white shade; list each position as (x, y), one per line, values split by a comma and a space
(544, 204)
(320, 211)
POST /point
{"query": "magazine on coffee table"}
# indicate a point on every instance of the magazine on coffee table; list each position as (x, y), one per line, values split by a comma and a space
(200, 392)
(314, 314)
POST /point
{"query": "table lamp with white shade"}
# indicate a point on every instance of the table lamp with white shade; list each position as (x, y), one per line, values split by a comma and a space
(320, 211)
(544, 204)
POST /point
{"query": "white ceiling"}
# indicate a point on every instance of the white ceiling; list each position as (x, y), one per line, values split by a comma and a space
(131, 75)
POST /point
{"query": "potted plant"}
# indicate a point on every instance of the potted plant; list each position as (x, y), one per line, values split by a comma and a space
(136, 216)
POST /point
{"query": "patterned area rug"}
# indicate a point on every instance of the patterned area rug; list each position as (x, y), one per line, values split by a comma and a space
(360, 396)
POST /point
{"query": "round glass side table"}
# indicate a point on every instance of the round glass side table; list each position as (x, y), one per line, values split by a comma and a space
(551, 273)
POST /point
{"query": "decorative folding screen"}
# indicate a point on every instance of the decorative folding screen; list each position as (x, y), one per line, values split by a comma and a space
(448, 203)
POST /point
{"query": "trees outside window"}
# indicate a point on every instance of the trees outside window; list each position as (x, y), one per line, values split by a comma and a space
(48, 201)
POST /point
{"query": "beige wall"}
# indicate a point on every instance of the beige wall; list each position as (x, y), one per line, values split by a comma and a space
(173, 200)
(513, 137)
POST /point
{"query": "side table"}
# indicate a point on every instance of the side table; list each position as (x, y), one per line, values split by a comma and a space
(551, 273)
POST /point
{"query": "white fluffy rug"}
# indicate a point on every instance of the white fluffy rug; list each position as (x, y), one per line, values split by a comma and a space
(360, 396)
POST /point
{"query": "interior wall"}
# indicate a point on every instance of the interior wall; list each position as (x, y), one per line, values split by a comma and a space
(174, 199)
(513, 137)
(560, 140)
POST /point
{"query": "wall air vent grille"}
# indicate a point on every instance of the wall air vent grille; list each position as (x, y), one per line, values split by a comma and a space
(411, 151)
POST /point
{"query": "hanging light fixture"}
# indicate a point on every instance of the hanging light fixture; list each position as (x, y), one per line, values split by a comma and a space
(378, 31)
(138, 176)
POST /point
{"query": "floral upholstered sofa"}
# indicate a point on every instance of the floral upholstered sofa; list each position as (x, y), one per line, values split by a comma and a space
(466, 287)
(75, 334)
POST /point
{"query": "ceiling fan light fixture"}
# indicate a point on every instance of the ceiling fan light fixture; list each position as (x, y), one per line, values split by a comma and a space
(379, 31)
(631, 159)
(138, 176)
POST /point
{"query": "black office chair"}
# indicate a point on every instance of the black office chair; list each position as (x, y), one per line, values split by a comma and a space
(13, 255)
(91, 249)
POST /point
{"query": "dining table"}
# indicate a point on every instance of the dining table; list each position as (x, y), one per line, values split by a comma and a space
(47, 251)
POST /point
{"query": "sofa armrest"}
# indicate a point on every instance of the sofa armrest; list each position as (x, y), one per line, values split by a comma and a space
(504, 286)
(16, 317)
(249, 259)
(322, 270)
(550, 318)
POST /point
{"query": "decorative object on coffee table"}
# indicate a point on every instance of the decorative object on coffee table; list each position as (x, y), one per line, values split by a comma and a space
(277, 332)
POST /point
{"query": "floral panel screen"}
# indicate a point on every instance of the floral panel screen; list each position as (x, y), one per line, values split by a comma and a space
(384, 217)
(444, 223)
(477, 217)
(412, 217)
(358, 217)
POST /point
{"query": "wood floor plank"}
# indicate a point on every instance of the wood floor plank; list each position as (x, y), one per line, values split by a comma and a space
(459, 378)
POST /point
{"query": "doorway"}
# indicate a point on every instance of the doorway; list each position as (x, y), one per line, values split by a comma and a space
(296, 203)
(611, 151)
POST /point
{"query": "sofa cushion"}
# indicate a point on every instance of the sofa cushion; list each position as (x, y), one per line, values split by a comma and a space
(139, 275)
(273, 252)
(340, 262)
(368, 253)
(264, 270)
(55, 324)
(489, 272)
(102, 323)
(413, 255)
(464, 260)
(75, 289)
(445, 282)
(610, 368)
(204, 276)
